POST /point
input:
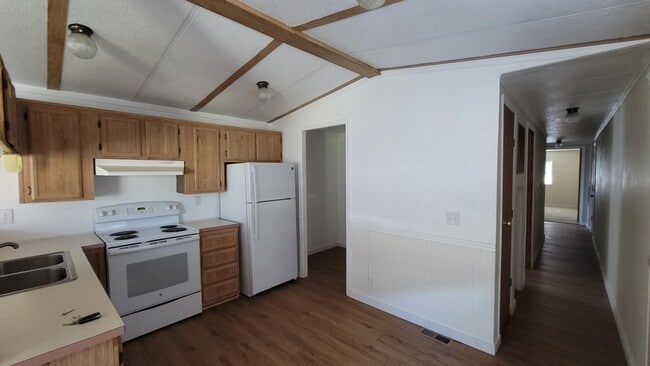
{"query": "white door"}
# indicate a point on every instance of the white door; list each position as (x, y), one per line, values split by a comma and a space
(270, 181)
(273, 244)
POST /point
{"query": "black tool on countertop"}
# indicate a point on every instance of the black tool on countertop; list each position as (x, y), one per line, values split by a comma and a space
(85, 319)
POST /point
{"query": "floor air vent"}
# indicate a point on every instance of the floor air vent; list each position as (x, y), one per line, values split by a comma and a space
(438, 337)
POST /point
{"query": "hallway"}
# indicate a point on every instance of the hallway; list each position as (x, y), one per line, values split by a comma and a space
(563, 317)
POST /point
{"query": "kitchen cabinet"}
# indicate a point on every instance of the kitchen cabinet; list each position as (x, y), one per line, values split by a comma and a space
(96, 255)
(203, 166)
(160, 140)
(268, 146)
(12, 128)
(103, 354)
(120, 136)
(238, 145)
(219, 264)
(58, 165)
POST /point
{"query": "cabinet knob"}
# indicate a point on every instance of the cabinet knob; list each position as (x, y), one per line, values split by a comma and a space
(29, 190)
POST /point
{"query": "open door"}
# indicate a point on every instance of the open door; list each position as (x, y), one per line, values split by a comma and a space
(529, 197)
(506, 215)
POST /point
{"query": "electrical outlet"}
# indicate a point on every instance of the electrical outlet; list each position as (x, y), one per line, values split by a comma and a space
(6, 216)
(197, 200)
(453, 218)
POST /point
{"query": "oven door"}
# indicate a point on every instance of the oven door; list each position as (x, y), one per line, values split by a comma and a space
(148, 274)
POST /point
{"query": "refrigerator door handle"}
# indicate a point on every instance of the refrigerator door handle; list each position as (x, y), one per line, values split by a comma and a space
(253, 183)
(254, 223)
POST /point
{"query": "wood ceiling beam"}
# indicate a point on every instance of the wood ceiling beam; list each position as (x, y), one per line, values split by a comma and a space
(237, 74)
(317, 98)
(57, 16)
(258, 21)
(343, 14)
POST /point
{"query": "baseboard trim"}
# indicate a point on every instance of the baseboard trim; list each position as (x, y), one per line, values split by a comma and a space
(455, 334)
(323, 248)
(612, 303)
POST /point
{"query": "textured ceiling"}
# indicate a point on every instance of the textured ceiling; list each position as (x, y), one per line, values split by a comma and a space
(595, 84)
(174, 53)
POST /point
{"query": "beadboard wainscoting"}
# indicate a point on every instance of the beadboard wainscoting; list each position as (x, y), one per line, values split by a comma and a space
(446, 287)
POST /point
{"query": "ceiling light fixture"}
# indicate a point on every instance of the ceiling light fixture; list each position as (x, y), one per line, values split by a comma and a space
(370, 4)
(263, 92)
(572, 110)
(79, 41)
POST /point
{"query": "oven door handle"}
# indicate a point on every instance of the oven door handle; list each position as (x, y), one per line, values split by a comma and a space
(150, 245)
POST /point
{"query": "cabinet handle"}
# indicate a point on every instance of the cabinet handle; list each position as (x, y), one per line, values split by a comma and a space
(29, 190)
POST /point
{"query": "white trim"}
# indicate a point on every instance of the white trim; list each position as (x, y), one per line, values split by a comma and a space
(323, 248)
(410, 233)
(113, 104)
(453, 333)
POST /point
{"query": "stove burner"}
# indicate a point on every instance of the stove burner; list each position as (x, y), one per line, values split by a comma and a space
(168, 226)
(173, 229)
(121, 233)
(126, 236)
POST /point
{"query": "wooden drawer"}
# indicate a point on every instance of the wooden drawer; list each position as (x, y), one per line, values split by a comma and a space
(218, 240)
(219, 257)
(220, 291)
(214, 275)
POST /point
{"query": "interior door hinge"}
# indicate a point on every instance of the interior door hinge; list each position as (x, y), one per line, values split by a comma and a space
(99, 124)
(25, 116)
(100, 146)
(5, 84)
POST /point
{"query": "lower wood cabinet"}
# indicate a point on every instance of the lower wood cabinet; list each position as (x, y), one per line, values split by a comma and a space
(219, 264)
(102, 354)
(96, 255)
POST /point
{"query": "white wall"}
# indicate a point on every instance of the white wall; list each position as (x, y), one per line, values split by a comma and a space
(325, 188)
(422, 142)
(38, 220)
(621, 230)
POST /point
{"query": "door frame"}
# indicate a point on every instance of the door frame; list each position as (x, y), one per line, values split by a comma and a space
(303, 247)
(530, 187)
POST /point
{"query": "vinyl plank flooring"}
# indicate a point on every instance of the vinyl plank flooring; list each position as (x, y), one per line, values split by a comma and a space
(562, 318)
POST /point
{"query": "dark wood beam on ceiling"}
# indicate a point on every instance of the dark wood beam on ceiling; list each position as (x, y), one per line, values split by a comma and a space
(317, 98)
(343, 14)
(57, 16)
(258, 21)
(237, 74)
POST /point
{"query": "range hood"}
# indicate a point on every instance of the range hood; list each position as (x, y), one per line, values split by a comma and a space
(118, 167)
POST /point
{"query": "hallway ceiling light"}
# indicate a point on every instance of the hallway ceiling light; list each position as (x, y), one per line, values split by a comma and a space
(263, 92)
(370, 4)
(79, 41)
(572, 110)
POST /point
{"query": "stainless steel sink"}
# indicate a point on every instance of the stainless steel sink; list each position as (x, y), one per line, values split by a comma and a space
(30, 273)
(29, 263)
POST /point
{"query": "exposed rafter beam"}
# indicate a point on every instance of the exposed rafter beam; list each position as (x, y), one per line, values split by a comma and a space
(343, 14)
(57, 16)
(237, 74)
(317, 98)
(256, 20)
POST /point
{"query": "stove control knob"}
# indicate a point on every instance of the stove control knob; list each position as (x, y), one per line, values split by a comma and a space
(113, 213)
(174, 207)
(103, 214)
(170, 207)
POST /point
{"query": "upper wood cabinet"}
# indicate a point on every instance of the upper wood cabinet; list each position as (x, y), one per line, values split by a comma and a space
(203, 166)
(269, 146)
(160, 139)
(120, 136)
(58, 164)
(238, 146)
(12, 128)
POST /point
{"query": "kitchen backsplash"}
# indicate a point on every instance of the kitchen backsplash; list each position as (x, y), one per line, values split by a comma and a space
(39, 220)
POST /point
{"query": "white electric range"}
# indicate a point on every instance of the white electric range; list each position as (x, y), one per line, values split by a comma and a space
(153, 264)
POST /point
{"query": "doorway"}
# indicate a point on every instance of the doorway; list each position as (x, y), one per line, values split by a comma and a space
(325, 171)
(562, 182)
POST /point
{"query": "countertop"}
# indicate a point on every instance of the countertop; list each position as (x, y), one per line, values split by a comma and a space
(31, 321)
(209, 223)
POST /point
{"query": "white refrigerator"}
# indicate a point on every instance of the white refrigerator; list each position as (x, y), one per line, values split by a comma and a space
(262, 198)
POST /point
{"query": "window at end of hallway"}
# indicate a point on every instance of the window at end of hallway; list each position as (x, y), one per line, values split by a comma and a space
(548, 173)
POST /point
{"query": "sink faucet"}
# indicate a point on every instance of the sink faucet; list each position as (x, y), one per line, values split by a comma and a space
(9, 244)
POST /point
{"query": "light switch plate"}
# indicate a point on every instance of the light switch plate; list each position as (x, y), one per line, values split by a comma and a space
(6, 216)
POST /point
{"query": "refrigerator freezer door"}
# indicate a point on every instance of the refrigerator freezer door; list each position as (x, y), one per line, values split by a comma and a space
(273, 248)
(270, 181)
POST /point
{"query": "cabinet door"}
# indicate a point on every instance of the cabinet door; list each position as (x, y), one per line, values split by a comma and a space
(219, 265)
(96, 255)
(52, 169)
(120, 136)
(269, 146)
(238, 146)
(160, 140)
(207, 173)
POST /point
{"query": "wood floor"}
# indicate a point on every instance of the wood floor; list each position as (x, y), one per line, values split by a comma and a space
(562, 318)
